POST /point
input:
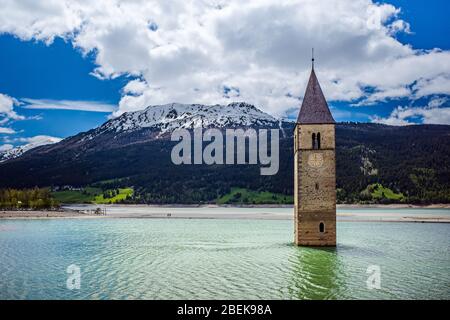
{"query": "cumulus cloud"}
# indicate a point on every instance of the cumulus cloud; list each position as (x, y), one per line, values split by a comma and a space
(436, 112)
(7, 112)
(437, 85)
(135, 87)
(23, 144)
(399, 26)
(40, 20)
(6, 147)
(6, 130)
(39, 140)
(92, 106)
(34, 141)
(212, 51)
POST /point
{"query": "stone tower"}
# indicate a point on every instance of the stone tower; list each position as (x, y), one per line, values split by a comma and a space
(315, 170)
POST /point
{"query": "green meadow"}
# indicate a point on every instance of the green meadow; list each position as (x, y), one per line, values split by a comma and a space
(245, 196)
(377, 191)
(92, 195)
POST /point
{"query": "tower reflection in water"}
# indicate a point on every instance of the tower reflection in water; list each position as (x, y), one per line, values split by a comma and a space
(316, 273)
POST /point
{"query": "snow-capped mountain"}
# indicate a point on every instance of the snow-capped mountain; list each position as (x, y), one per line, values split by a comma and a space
(143, 126)
(33, 143)
(168, 117)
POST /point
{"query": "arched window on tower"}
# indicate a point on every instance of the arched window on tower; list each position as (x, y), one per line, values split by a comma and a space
(318, 140)
(321, 227)
(313, 141)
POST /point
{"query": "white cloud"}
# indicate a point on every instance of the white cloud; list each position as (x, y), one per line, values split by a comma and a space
(41, 20)
(437, 85)
(40, 140)
(6, 130)
(7, 151)
(383, 95)
(7, 112)
(92, 106)
(437, 102)
(6, 147)
(136, 87)
(192, 51)
(399, 26)
(433, 113)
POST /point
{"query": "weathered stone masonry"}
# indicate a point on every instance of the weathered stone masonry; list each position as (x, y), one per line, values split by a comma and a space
(315, 170)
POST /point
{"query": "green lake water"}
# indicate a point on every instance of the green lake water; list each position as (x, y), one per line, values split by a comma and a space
(219, 259)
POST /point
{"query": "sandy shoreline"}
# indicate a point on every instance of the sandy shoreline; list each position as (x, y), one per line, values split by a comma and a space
(394, 206)
(43, 214)
(339, 206)
(387, 213)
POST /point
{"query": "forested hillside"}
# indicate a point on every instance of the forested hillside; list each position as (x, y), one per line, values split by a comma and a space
(375, 164)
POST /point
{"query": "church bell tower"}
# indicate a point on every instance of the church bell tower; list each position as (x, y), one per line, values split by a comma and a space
(315, 170)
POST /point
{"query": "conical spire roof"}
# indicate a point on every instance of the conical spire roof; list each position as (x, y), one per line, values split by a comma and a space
(314, 108)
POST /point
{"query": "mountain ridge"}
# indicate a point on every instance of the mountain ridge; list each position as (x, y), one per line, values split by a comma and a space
(159, 120)
(169, 117)
(371, 158)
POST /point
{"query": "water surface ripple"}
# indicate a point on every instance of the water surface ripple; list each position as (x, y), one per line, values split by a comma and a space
(219, 259)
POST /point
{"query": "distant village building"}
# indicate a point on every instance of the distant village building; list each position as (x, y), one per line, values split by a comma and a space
(315, 170)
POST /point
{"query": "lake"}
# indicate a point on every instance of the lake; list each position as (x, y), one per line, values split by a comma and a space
(128, 258)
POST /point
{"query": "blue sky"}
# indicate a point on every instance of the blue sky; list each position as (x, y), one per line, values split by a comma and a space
(61, 73)
(33, 70)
